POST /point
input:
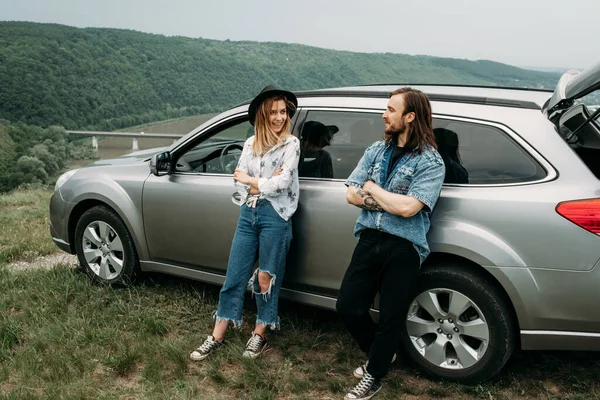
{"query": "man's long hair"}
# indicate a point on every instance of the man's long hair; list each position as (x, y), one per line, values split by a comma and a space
(265, 139)
(420, 131)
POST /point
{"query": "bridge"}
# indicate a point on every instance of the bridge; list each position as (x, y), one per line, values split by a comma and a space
(134, 135)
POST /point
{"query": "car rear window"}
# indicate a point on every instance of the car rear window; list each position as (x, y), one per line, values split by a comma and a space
(486, 154)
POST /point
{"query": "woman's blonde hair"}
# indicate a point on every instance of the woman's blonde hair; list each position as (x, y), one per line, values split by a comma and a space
(265, 139)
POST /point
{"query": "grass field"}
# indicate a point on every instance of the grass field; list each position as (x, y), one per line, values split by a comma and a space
(62, 337)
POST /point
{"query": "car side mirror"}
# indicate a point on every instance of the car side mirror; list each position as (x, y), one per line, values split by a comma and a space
(160, 164)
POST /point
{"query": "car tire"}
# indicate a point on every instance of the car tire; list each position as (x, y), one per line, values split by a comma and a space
(458, 326)
(104, 247)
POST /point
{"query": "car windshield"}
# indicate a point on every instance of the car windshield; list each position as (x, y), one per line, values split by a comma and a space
(234, 134)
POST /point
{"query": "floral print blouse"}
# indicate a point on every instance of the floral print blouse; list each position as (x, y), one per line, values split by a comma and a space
(282, 190)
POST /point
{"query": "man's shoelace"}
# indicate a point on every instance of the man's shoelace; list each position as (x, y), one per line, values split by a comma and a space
(364, 385)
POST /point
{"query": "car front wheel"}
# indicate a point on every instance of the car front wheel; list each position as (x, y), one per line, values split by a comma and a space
(104, 247)
(458, 326)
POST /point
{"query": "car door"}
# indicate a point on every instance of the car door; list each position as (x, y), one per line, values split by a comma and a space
(323, 224)
(189, 216)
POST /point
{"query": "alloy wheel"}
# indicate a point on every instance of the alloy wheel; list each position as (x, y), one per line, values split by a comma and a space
(447, 328)
(103, 250)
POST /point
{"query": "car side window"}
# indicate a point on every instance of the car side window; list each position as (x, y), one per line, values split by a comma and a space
(482, 154)
(218, 151)
(332, 142)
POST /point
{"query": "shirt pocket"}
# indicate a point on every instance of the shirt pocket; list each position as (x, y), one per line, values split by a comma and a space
(374, 172)
(402, 180)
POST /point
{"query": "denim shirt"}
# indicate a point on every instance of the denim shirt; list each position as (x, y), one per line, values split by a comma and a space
(416, 175)
(282, 190)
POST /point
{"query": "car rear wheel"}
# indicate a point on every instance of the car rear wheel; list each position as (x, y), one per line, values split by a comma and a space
(104, 247)
(458, 326)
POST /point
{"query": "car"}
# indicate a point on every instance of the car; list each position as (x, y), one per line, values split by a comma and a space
(515, 237)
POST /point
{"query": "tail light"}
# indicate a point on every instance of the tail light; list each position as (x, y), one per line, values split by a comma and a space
(585, 213)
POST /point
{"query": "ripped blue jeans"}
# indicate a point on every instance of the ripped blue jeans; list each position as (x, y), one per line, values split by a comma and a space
(261, 234)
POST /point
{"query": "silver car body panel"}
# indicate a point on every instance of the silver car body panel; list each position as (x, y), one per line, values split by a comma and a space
(504, 229)
(118, 186)
(559, 340)
(312, 299)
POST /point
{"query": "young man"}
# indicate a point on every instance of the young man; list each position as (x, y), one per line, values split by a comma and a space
(396, 183)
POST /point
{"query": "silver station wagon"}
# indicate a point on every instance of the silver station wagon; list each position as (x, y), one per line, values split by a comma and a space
(515, 236)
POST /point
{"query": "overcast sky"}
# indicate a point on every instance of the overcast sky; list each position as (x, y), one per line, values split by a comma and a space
(539, 33)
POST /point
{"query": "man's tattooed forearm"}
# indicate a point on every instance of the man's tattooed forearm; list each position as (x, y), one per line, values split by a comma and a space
(369, 203)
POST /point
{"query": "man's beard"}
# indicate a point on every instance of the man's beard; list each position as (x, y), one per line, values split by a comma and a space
(391, 136)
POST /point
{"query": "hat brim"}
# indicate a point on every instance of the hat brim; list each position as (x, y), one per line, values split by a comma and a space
(262, 96)
(332, 129)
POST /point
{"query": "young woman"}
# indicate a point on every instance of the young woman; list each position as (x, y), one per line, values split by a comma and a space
(267, 180)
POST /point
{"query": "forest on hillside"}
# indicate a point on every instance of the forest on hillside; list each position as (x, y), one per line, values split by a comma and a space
(30, 154)
(96, 78)
(55, 77)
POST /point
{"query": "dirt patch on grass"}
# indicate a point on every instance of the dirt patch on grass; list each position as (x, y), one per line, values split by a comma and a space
(46, 262)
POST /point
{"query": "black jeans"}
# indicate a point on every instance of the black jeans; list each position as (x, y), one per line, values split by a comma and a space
(388, 264)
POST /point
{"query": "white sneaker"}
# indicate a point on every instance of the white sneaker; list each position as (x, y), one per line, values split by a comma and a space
(255, 346)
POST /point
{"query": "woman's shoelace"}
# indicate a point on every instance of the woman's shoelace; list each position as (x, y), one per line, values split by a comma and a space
(207, 345)
(254, 343)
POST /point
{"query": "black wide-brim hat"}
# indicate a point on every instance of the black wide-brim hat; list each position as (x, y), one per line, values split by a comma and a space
(267, 92)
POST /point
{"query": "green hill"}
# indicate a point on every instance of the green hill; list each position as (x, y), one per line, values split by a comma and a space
(111, 78)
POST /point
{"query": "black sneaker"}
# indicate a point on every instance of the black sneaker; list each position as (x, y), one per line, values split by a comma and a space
(256, 345)
(205, 348)
(365, 389)
(360, 371)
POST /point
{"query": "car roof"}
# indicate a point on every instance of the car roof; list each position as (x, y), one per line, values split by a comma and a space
(488, 95)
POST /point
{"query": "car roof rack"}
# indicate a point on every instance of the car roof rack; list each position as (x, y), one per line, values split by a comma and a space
(452, 98)
(382, 91)
(458, 85)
